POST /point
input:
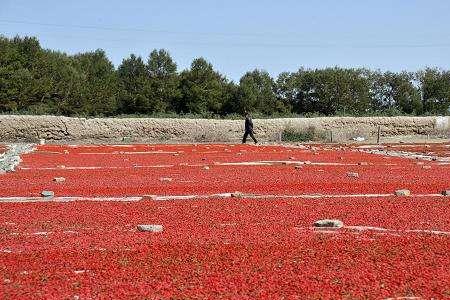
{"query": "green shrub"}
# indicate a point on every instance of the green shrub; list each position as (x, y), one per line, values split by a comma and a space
(310, 134)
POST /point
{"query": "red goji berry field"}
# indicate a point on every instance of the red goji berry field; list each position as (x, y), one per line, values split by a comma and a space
(238, 222)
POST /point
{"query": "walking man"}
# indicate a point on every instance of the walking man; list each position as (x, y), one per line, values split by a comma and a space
(248, 128)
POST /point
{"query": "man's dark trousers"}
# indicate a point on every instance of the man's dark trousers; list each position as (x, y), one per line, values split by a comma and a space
(248, 132)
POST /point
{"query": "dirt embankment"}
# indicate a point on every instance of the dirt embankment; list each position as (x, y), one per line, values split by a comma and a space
(65, 129)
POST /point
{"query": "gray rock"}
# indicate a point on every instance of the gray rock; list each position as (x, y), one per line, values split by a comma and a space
(47, 194)
(11, 158)
(150, 228)
(359, 139)
(329, 223)
(237, 195)
(59, 179)
(165, 179)
(403, 193)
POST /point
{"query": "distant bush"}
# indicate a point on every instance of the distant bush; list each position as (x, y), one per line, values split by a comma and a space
(310, 134)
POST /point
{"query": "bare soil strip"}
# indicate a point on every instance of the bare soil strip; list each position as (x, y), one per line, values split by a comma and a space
(197, 197)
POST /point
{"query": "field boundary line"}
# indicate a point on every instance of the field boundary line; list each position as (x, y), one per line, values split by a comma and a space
(237, 195)
(360, 228)
(408, 155)
(68, 199)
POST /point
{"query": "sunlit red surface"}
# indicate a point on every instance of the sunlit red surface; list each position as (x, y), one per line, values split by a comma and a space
(239, 248)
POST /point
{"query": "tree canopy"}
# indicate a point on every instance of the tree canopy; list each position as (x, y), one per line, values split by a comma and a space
(34, 80)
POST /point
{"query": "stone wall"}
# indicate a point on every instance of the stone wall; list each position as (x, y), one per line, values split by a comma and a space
(112, 130)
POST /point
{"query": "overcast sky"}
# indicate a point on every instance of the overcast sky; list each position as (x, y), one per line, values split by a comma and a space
(238, 36)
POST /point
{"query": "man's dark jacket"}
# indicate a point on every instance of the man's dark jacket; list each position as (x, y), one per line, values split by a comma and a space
(248, 124)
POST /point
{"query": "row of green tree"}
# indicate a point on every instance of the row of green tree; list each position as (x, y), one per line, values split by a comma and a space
(40, 81)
